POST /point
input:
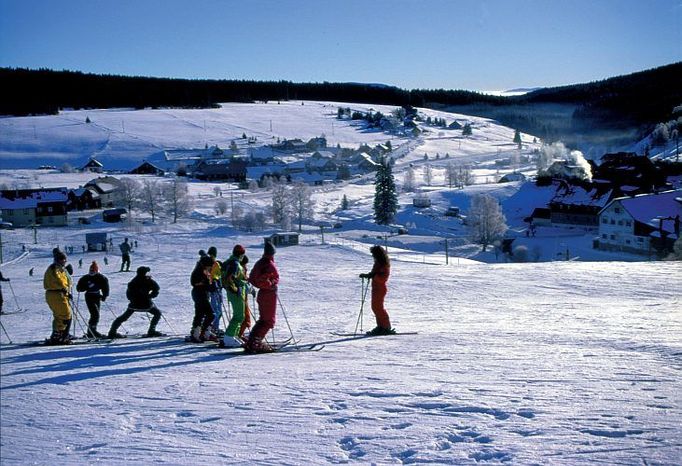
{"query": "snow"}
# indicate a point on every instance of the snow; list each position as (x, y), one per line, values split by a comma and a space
(555, 362)
(513, 363)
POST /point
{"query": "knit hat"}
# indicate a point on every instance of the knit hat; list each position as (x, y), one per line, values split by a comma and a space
(238, 250)
(202, 253)
(142, 271)
(58, 256)
(94, 268)
(212, 251)
(269, 249)
(56, 251)
(206, 261)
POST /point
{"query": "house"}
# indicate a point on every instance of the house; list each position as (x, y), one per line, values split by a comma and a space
(421, 201)
(574, 206)
(110, 190)
(113, 215)
(233, 169)
(28, 207)
(92, 166)
(97, 241)
(83, 198)
(321, 161)
(541, 216)
(455, 125)
(634, 172)
(515, 176)
(147, 168)
(292, 146)
(641, 224)
(366, 162)
(282, 239)
(316, 143)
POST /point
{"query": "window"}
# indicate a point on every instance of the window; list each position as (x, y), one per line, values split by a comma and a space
(49, 209)
(604, 220)
(617, 210)
(628, 223)
(613, 222)
(613, 237)
(603, 235)
(627, 241)
(620, 222)
(640, 240)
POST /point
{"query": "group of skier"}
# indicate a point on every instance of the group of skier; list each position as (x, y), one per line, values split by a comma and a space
(208, 279)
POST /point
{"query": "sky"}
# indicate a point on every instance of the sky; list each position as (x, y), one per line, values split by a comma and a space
(451, 44)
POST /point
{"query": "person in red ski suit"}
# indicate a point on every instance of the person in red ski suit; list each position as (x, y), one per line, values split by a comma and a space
(265, 277)
(379, 276)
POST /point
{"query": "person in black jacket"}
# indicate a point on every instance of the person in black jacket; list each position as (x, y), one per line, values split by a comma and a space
(96, 289)
(141, 290)
(202, 285)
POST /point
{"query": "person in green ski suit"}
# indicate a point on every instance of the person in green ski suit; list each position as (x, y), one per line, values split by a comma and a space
(234, 282)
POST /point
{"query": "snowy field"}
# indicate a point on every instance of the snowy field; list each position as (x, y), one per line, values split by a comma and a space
(552, 363)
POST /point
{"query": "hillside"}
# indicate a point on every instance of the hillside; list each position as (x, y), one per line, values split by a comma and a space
(513, 363)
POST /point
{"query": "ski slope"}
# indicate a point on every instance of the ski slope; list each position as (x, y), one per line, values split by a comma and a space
(550, 363)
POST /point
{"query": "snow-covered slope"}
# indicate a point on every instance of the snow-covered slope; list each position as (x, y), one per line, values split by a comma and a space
(555, 363)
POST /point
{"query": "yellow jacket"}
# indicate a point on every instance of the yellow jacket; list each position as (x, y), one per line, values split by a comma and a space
(56, 279)
(216, 270)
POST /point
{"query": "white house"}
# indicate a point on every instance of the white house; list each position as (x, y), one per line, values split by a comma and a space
(26, 207)
(641, 224)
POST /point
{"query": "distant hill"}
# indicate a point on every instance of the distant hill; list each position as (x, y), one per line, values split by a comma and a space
(623, 106)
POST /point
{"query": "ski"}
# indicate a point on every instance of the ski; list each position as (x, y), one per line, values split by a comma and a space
(87, 341)
(9, 313)
(364, 335)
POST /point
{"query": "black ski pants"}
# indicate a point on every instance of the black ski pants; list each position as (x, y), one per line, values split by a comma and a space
(153, 310)
(93, 300)
(203, 312)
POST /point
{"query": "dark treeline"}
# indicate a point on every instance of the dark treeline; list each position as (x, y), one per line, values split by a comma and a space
(33, 92)
(635, 101)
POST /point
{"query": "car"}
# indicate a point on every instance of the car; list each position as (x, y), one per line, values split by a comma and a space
(6, 225)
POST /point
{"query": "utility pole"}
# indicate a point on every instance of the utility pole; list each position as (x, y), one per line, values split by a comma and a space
(447, 262)
(0, 248)
(232, 206)
(35, 234)
(322, 232)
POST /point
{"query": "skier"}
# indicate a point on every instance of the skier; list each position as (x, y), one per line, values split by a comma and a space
(96, 289)
(379, 276)
(2, 279)
(235, 288)
(125, 254)
(57, 284)
(247, 310)
(203, 313)
(216, 293)
(265, 277)
(141, 290)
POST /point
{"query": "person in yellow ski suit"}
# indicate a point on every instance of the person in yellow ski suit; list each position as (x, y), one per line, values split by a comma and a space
(57, 284)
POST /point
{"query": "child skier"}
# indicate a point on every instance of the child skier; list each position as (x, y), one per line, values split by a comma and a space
(216, 293)
(96, 289)
(265, 277)
(379, 276)
(141, 290)
(247, 309)
(57, 284)
(234, 281)
(203, 313)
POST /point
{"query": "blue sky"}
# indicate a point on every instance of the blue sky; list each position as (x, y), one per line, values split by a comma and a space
(452, 44)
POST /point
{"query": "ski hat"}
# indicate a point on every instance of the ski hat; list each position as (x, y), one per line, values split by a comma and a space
(244, 260)
(212, 251)
(56, 251)
(58, 255)
(269, 249)
(94, 268)
(238, 250)
(143, 270)
(202, 253)
(206, 261)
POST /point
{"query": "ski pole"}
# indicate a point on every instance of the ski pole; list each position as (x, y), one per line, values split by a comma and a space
(4, 330)
(175, 332)
(362, 305)
(77, 315)
(16, 301)
(286, 319)
(115, 316)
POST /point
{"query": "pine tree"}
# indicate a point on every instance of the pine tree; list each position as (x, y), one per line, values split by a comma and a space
(344, 203)
(517, 137)
(385, 197)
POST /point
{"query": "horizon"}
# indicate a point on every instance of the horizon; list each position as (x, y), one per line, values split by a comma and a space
(492, 46)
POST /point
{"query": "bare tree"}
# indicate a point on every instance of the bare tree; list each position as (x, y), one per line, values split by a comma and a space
(428, 175)
(221, 206)
(150, 197)
(130, 196)
(408, 181)
(486, 221)
(178, 200)
(281, 208)
(301, 202)
(451, 174)
(217, 191)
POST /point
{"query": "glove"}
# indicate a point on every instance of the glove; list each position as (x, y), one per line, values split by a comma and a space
(69, 268)
(104, 298)
(70, 296)
(364, 275)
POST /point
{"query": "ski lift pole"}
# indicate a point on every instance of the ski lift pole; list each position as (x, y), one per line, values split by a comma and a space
(16, 301)
(365, 288)
(4, 330)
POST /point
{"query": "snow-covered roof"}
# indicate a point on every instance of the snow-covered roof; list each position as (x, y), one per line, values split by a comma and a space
(31, 200)
(576, 195)
(648, 208)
